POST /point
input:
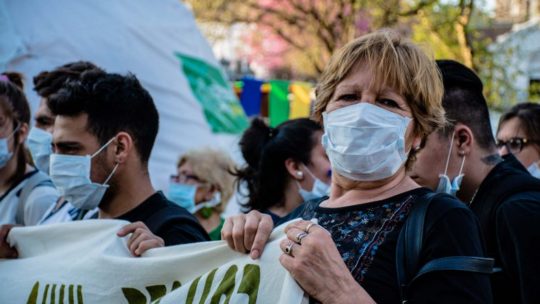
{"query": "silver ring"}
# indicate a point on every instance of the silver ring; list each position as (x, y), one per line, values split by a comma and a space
(300, 236)
(309, 227)
(288, 248)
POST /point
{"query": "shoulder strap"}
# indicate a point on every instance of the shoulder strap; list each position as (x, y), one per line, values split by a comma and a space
(37, 179)
(409, 245)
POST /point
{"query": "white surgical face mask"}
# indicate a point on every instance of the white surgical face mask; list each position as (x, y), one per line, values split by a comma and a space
(319, 189)
(365, 142)
(5, 154)
(39, 143)
(71, 176)
(534, 169)
(445, 185)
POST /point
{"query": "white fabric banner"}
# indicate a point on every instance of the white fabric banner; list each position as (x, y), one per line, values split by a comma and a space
(85, 262)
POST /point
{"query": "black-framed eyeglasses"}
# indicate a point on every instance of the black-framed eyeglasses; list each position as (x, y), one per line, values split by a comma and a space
(515, 144)
(186, 179)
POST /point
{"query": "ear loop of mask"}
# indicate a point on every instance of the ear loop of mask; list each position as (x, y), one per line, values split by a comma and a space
(115, 167)
(449, 154)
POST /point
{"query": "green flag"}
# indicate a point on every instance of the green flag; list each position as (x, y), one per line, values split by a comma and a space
(220, 105)
(278, 109)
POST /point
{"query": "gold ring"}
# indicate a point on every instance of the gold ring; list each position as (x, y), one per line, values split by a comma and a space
(309, 227)
(300, 236)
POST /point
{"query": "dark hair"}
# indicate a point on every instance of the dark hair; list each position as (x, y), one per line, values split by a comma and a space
(529, 119)
(464, 102)
(265, 150)
(14, 103)
(113, 103)
(47, 83)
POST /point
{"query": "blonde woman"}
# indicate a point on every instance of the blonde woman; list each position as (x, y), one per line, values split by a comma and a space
(203, 186)
(378, 98)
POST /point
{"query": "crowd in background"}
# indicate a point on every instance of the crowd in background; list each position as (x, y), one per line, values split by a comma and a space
(392, 130)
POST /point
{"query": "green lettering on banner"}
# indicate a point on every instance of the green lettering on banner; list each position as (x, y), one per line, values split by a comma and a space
(250, 282)
(45, 294)
(192, 291)
(133, 296)
(156, 291)
(71, 295)
(34, 294)
(208, 285)
(32, 298)
(226, 286)
(61, 297)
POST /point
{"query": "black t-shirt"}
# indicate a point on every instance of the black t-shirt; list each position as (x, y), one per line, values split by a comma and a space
(174, 224)
(511, 230)
(366, 236)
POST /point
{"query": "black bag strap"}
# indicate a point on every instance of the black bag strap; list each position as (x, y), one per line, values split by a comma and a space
(410, 243)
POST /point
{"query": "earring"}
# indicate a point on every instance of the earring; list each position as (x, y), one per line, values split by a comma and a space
(300, 174)
(461, 153)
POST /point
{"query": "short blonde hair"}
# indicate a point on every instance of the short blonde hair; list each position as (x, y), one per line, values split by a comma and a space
(214, 167)
(396, 63)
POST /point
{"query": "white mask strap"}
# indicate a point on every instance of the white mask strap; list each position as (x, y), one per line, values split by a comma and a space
(103, 147)
(110, 175)
(449, 154)
(461, 167)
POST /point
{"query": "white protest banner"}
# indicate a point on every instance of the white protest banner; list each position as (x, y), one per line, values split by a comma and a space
(85, 262)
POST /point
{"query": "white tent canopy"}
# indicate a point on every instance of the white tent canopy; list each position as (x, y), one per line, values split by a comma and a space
(120, 36)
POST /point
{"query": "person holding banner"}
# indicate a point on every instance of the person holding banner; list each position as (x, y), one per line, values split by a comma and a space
(101, 157)
(285, 166)
(378, 98)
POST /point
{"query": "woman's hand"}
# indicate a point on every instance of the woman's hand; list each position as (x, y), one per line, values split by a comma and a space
(315, 263)
(142, 239)
(248, 232)
(6, 251)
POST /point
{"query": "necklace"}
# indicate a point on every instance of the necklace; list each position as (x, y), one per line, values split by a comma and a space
(473, 197)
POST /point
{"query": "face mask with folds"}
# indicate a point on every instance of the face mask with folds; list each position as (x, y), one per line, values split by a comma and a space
(71, 176)
(319, 189)
(5, 154)
(39, 143)
(184, 196)
(365, 142)
(445, 184)
(534, 169)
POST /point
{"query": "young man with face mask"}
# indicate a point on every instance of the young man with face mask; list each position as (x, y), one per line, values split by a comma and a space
(39, 141)
(104, 131)
(462, 160)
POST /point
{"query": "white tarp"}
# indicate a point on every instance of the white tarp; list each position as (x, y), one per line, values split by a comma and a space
(144, 37)
(85, 262)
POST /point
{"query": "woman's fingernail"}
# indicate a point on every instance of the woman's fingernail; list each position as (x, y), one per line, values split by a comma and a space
(254, 254)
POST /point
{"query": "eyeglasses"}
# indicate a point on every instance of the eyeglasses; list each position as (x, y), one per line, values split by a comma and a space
(186, 179)
(515, 144)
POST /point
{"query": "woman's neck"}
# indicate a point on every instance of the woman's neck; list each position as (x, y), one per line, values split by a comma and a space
(7, 173)
(291, 202)
(346, 193)
(210, 223)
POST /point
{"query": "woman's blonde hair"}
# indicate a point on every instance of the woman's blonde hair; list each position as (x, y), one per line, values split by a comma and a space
(396, 63)
(214, 167)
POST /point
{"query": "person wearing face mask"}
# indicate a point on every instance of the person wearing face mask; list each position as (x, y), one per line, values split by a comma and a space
(285, 166)
(203, 186)
(499, 190)
(379, 98)
(100, 159)
(39, 140)
(25, 193)
(519, 134)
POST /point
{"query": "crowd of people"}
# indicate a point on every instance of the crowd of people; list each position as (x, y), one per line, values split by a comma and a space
(393, 131)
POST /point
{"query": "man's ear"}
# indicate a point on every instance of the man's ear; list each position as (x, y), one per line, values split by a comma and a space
(294, 169)
(463, 139)
(124, 146)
